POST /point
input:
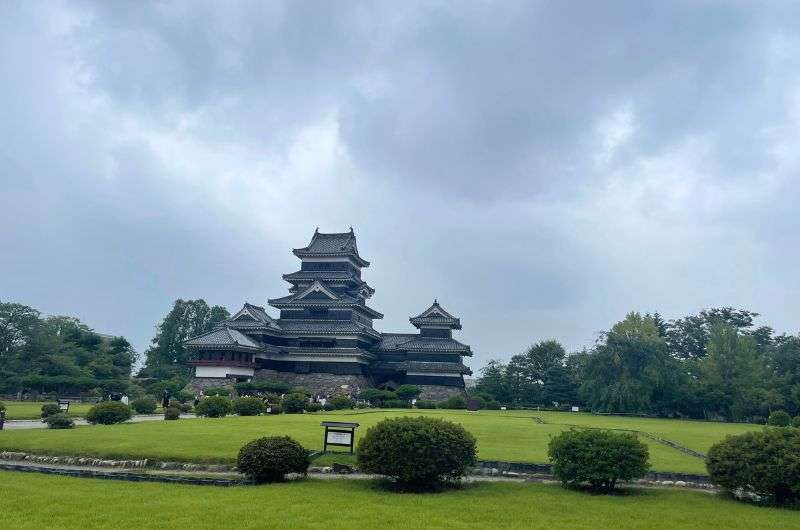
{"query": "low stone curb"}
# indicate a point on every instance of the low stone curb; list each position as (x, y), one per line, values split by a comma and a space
(120, 464)
(129, 477)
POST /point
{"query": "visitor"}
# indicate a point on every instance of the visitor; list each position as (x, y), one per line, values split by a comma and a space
(165, 398)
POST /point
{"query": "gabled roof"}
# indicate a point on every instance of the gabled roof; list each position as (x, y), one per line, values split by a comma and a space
(435, 316)
(253, 313)
(223, 337)
(414, 342)
(325, 327)
(343, 300)
(317, 287)
(332, 245)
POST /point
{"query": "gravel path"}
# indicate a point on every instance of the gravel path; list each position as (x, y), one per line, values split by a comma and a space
(37, 424)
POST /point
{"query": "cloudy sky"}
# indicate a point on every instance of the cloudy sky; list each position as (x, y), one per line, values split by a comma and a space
(540, 167)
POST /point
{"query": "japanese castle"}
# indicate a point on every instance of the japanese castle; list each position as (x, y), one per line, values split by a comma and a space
(324, 340)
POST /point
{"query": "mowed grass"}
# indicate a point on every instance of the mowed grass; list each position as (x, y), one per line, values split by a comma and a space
(43, 501)
(502, 435)
(30, 410)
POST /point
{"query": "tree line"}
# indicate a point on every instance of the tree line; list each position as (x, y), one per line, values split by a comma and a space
(713, 365)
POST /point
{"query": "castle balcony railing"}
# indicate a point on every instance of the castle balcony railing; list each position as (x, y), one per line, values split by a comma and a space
(223, 362)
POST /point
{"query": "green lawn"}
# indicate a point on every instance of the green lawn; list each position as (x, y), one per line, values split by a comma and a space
(29, 410)
(502, 435)
(43, 501)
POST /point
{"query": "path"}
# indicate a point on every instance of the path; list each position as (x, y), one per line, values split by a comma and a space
(37, 424)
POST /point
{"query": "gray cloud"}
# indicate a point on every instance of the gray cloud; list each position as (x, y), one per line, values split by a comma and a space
(541, 168)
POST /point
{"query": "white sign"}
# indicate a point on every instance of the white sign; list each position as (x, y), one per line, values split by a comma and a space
(343, 438)
(576, 409)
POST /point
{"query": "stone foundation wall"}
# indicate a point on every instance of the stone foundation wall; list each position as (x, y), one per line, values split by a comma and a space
(438, 393)
(202, 383)
(322, 384)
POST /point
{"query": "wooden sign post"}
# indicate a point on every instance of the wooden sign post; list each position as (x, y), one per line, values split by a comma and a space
(339, 433)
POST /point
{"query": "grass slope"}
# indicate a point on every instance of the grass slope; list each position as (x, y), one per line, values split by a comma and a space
(509, 436)
(41, 501)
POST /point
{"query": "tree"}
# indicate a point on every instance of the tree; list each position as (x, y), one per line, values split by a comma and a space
(493, 382)
(525, 372)
(559, 386)
(629, 369)
(167, 356)
(734, 377)
(687, 337)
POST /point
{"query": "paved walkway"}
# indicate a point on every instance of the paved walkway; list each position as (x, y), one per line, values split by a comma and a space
(38, 424)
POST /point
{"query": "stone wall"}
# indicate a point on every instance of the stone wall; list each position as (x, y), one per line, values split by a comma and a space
(203, 383)
(323, 384)
(438, 393)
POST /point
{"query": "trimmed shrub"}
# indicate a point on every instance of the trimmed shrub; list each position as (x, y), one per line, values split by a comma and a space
(269, 459)
(341, 402)
(597, 457)
(779, 418)
(145, 405)
(764, 463)
(396, 404)
(407, 392)
(172, 413)
(312, 407)
(453, 402)
(185, 407)
(476, 402)
(214, 407)
(422, 404)
(294, 403)
(59, 421)
(417, 452)
(248, 406)
(795, 421)
(183, 396)
(275, 408)
(108, 413)
(328, 406)
(2, 406)
(217, 391)
(492, 405)
(377, 397)
(48, 409)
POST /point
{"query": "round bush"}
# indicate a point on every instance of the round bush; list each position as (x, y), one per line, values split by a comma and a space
(144, 405)
(59, 421)
(312, 407)
(270, 459)
(48, 409)
(453, 402)
(294, 403)
(795, 421)
(183, 396)
(274, 408)
(764, 463)
(779, 418)
(185, 407)
(248, 406)
(2, 406)
(417, 452)
(214, 407)
(172, 413)
(341, 402)
(598, 458)
(109, 412)
(492, 405)
(424, 404)
(396, 404)
(218, 391)
(328, 407)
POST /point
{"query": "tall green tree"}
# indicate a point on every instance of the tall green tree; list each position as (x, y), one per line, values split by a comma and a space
(734, 378)
(493, 383)
(167, 356)
(629, 370)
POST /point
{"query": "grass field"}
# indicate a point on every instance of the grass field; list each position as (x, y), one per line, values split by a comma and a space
(509, 436)
(42, 501)
(29, 410)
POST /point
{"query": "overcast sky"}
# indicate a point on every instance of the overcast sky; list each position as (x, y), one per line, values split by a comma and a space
(541, 168)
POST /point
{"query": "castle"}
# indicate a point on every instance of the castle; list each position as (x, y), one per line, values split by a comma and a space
(324, 340)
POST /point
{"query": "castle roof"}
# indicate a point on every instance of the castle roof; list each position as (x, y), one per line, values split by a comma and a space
(223, 337)
(414, 342)
(340, 244)
(435, 316)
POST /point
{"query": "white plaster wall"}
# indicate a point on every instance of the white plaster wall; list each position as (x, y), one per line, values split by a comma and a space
(221, 371)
